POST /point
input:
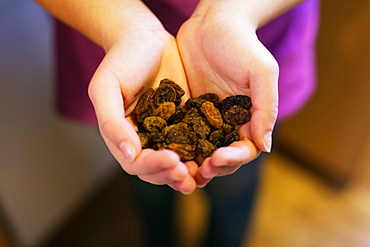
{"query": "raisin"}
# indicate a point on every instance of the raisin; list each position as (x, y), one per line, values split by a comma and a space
(145, 140)
(177, 136)
(154, 123)
(217, 137)
(237, 115)
(240, 100)
(212, 114)
(185, 151)
(179, 91)
(177, 116)
(179, 126)
(164, 93)
(230, 138)
(160, 146)
(143, 102)
(205, 147)
(201, 127)
(157, 136)
(197, 102)
(165, 110)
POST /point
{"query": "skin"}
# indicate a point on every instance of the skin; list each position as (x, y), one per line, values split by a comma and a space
(216, 51)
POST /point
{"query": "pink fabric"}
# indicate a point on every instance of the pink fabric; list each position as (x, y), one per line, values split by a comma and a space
(290, 38)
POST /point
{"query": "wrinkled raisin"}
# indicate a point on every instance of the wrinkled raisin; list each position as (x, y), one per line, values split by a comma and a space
(197, 102)
(241, 100)
(145, 140)
(237, 115)
(201, 127)
(230, 138)
(177, 116)
(143, 103)
(154, 123)
(185, 151)
(164, 93)
(212, 114)
(205, 147)
(165, 110)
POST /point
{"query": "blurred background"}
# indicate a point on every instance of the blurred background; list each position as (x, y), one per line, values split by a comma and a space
(59, 186)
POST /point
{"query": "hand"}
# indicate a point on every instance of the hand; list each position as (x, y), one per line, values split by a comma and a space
(133, 64)
(222, 54)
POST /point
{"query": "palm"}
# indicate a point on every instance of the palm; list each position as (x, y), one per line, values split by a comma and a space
(128, 69)
(226, 58)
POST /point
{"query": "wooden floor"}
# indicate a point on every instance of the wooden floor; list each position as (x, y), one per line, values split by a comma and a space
(294, 208)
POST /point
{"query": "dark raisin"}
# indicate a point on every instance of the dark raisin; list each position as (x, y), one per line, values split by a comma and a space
(164, 93)
(230, 138)
(198, 101)
(240, 100)
(177, 116)
(154, 123)
(145, 140)
(205, 148)
(237, 115)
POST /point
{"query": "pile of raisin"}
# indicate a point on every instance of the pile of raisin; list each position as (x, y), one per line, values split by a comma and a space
(201, 126)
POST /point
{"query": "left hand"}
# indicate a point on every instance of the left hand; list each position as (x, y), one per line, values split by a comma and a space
(222, 54)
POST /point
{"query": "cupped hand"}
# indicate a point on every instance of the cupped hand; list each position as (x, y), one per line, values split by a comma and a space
(136, 62)
(222, 54)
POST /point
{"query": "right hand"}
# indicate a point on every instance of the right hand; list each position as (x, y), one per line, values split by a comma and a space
(136, 62)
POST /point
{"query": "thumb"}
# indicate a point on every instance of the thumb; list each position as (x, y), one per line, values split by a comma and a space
(264, 94)
(117, 132)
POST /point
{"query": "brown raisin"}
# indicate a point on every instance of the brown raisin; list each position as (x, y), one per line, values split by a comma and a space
(237, 115)
(154, 123)
(185, 151)
(217, 137)
(201, 127)
(240, 100)
(212, 114)
(165, 110)
(205, 147)
(145, 140)
(177, 116)
(198, 101)
(179, 91)
(230, 138)
(143, 103)
(164, 93)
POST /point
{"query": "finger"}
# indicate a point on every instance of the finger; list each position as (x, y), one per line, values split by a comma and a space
(200, 179)
(166, 176)
(185, 186)
(105, 94)
(238, 153)
(264, 93)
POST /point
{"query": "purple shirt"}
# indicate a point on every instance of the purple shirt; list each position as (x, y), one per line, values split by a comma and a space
(290, 38)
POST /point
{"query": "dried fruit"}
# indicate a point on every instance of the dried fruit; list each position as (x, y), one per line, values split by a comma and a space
(241, 100)
(212, 114)
(198, 128)
(165, 110)
(205, 147)
(237, 115)
(185, 151)
(154, 123)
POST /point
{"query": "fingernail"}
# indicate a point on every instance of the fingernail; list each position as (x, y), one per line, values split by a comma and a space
(267, 142)
(128, 151)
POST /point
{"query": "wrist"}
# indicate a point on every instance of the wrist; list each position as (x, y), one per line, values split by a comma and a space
(255, 12)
